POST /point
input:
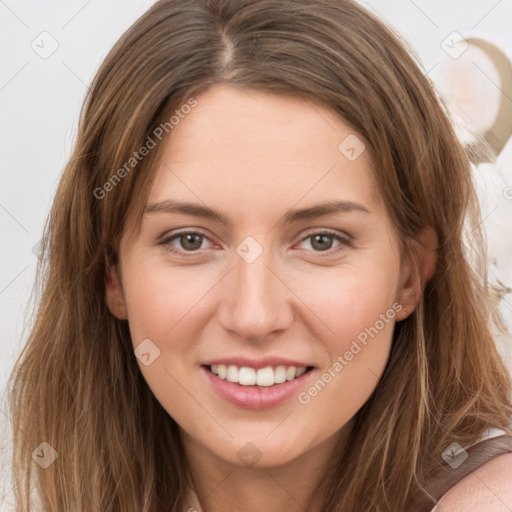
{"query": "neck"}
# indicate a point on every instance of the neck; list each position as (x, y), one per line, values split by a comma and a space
(222, 485)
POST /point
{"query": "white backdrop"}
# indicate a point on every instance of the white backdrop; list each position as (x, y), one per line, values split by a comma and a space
(50, 52)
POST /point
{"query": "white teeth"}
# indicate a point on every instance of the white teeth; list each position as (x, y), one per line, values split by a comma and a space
(280, 375)
(222, 371)
(266, 377)
(247, 376)
(300, 371)
(232, 374)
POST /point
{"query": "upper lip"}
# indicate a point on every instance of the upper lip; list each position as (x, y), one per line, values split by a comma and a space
(256, 363)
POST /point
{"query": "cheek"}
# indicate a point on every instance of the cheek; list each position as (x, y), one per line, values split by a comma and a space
(165, 306)
(348, 300)
(341, 389)
(161, 300)
(357, 310)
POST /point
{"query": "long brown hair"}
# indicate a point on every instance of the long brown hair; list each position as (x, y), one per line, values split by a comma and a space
(77, 385)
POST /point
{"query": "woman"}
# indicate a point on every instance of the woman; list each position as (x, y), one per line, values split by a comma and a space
(259, 294)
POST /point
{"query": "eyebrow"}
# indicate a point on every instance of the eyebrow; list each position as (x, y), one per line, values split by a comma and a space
(313, 212)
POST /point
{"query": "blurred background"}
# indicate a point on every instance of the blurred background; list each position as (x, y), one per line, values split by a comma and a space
(51, 50)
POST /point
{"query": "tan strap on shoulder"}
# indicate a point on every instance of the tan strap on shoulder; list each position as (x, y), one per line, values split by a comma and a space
(478, 455)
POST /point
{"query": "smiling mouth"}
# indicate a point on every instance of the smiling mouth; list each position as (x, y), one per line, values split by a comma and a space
(263, 377)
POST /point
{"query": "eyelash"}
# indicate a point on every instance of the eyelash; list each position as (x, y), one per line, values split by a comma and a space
(344, 242)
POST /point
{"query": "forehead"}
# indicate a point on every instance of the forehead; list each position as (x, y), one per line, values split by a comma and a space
(263, 152)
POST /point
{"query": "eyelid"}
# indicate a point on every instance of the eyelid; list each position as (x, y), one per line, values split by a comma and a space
(344, 239)
(166, 239)
(326, 231)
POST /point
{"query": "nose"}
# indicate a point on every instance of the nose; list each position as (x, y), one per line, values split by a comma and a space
(255, 299)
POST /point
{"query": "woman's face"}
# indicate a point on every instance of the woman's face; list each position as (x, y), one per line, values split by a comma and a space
(303, 271)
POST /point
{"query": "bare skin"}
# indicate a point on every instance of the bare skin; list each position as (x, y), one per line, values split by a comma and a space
(486, 489)
(254, 156)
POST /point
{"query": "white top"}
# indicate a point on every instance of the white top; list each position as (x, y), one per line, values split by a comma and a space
(487, 434)
(192, 502)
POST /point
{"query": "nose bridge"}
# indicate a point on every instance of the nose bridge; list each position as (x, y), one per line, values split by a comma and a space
(255, 300)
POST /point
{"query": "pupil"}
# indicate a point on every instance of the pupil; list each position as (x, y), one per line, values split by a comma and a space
(323, 237)
(190, 238)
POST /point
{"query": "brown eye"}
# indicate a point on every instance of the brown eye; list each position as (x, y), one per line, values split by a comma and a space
(185, 243)
(191, 241)
(322, 242)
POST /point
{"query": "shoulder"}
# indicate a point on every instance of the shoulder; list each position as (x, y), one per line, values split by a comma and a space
(486, 489)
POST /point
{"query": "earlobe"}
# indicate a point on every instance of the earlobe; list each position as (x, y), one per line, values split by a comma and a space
(418, 270)
(114, 294)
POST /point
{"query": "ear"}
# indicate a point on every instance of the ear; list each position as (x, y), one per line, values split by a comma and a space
(419, 266)
(114, 294)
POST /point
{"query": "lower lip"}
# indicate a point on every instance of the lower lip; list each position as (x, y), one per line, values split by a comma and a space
(253, 397)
